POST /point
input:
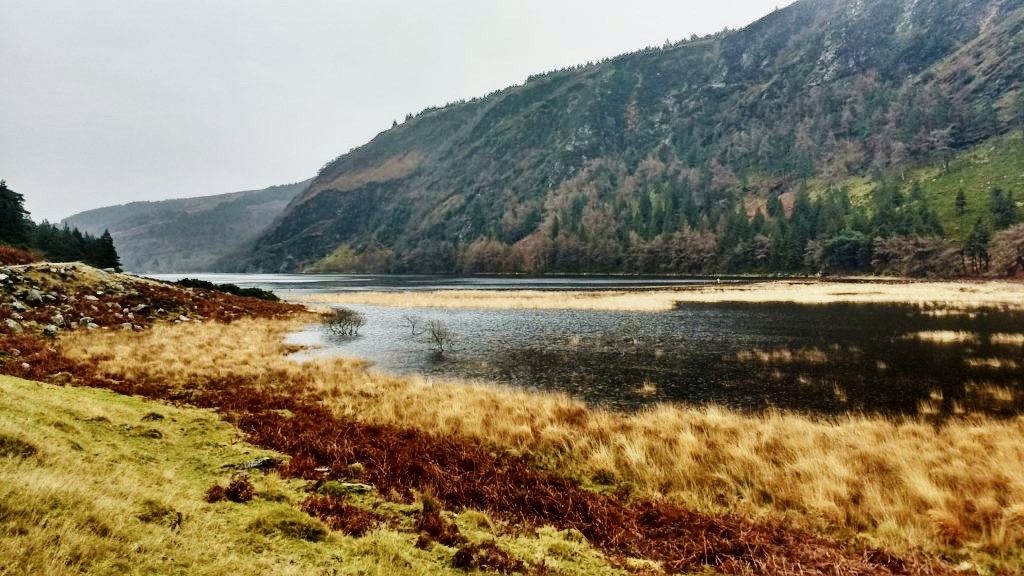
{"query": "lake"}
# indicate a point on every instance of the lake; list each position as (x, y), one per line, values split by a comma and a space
(823, 359)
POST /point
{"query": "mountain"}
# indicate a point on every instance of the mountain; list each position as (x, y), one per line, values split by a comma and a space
(787, 145)
(189, 234)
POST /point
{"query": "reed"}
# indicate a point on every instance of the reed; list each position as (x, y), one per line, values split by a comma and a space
(950, 297)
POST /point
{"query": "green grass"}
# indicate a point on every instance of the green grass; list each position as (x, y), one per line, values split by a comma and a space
(996, 162)
(96, 483)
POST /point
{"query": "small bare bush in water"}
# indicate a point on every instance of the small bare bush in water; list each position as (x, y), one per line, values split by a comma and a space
(413, 323)
(440, 336)
(343, 322)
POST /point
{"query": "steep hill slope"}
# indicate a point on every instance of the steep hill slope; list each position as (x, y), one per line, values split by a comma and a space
(187, 234)
(657, 152)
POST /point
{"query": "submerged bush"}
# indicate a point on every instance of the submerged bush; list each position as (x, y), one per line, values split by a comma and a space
(343, 322)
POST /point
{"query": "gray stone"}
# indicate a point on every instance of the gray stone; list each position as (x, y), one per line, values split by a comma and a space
(17, 316)
(34, 297)
(139, 308)
(85, 320)
(3, 277)
(91, 298)
(93, 327)
(18, 306)
(183, 318)
(13, 326)
(51, 331)
(58, 320)
(127, 327)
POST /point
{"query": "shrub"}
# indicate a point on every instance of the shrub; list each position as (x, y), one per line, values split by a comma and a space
(234, 289)
(240, 490)
(11, 256)
(440, 337)
(343, 322)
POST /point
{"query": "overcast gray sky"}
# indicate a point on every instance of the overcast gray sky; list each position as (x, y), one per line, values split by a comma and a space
(105, 102)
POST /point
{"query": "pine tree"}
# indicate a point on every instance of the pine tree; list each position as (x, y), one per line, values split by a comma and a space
(1004, 208)
(14, 223)
(103, 253)
(961, 202)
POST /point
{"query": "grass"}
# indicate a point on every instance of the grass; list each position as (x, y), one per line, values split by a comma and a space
(998, 162)
(957, 296)
(88, 487)
(955, 490)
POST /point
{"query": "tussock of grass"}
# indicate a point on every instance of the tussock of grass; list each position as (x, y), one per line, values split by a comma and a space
(1007, 339)
(959, 296)
(956, 490)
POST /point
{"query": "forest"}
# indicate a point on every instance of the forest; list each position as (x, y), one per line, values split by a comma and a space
(50, 242)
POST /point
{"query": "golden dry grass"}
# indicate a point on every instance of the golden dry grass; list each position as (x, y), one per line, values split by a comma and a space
(958, 296)
(1008, 339)
(956, 489)
(942, 336)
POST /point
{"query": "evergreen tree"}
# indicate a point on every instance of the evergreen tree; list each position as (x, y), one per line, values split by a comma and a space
(1004, 208)
(961, 202)
(976, 247)
(103, 253)
(14, 223)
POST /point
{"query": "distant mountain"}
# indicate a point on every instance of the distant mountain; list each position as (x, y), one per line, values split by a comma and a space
(189, 234)
(686, 158)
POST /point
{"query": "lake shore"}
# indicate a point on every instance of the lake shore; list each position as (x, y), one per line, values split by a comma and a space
(946, 295)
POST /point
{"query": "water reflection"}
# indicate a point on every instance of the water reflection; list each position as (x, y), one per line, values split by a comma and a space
(828, 359)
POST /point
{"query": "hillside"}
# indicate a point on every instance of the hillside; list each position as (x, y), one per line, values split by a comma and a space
(189, 234)
(661, 160)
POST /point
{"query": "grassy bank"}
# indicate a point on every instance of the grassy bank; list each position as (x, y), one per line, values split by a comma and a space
(92, 482)
(956, 490)
(945, 295)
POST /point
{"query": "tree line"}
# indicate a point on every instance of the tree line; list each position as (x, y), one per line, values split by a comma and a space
(59, 244)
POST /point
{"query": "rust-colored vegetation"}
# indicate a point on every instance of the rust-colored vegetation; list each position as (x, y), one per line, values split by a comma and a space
(11, 256)
(290, 415)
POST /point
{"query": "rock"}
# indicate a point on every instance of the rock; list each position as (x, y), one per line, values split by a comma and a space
(34, 297)
(130, 316)
(183, 318)
(18, 306)
(50, 297)
(58, 320)
(160, 311)
(16, 316)
(127, 327)
(91, 298)
(84, 321)
(139, 308)
(110, 270)
(91, 326)
(13, 326)
(25, 366)
(51, 331)
(261, 463)
(3, 277)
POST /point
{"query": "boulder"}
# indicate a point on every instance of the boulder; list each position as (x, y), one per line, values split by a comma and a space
(58, 320)
(34, 296)
(91, 298)
(85, 320)
(92, 326)
(18, 306)
(139, 308)
(51, 331)
(13, 326)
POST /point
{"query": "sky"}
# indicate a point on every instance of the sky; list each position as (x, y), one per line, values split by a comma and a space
(105, 102)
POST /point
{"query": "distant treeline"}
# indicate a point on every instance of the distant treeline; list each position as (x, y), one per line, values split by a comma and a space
(58, 244)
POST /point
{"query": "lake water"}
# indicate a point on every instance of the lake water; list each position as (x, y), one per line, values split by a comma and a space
(826, 359)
